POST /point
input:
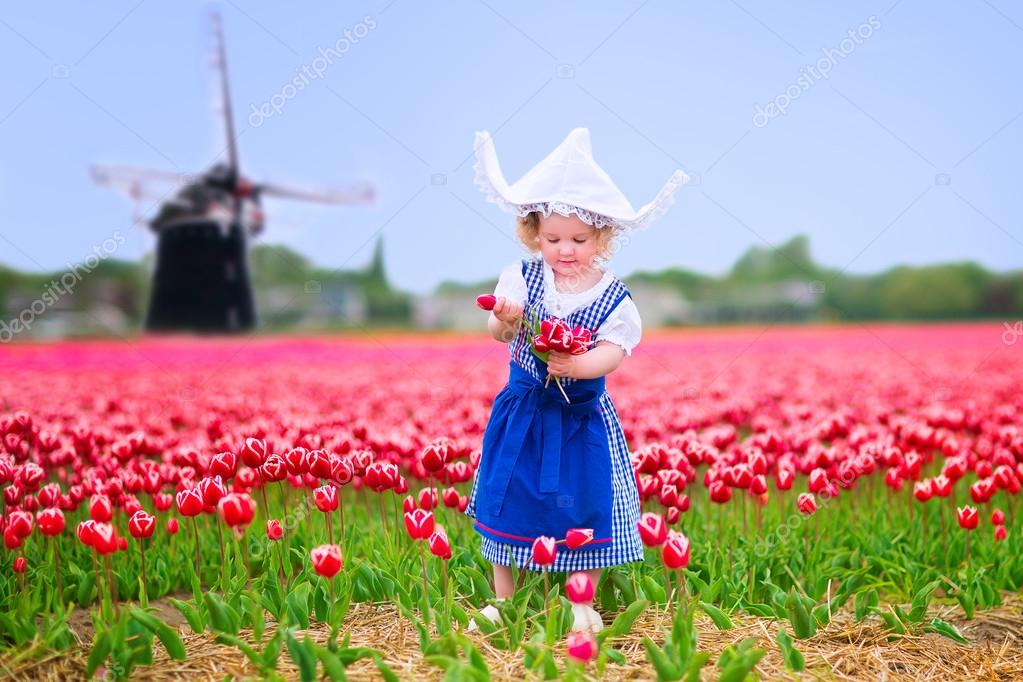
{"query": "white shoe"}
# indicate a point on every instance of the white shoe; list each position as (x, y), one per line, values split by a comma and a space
(585, 618)
(490, 613)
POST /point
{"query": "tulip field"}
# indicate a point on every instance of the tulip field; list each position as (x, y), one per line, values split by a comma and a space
(829, 502)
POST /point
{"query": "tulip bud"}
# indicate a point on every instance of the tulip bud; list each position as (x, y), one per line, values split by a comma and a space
(579, 588)
(274, 530)
(326, 560)
(581, 645)
(486, 301)
(544, 550)
(20, 565)
(675, 551)
(652, 529)
(439, 544)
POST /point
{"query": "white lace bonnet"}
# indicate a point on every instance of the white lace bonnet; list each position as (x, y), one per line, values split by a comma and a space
(568, 181)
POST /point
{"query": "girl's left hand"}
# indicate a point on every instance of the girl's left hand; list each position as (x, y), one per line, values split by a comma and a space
(561, 364)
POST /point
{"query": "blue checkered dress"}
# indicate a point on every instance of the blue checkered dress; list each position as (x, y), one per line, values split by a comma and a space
(626, 544)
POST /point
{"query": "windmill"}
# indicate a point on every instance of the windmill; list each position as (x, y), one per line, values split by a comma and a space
(201, 277)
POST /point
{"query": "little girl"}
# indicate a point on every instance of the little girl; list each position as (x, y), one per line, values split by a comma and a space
(549, 465)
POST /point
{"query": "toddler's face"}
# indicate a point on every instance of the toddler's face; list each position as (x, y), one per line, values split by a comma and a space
(567, 244)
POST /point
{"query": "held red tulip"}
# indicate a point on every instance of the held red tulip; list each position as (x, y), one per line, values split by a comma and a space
(486, 301)
(652, 529)
(581, 645)
(419, 523)
(578, 537)
(579, 588)
(675, 552)
(141, 524)
(544, 550)
(326, 560)
(274, 530)
(968, 517)
(806, 504)
(439, 544)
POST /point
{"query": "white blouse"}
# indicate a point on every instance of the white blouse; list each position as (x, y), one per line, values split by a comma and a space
(622, 327)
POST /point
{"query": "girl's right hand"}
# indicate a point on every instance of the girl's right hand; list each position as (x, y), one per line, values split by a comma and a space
(507, 311)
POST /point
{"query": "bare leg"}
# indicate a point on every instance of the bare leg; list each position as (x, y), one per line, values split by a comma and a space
(503, 585)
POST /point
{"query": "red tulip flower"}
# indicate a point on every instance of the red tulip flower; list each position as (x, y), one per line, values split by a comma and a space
(20, 565)
(941, 486)
(104, 538)
(326, 560)
(579, 588)
(719, 492)
(675, 551)
(923, 490)
(439, 544)
(173, 526)
(237, 509)
(274, 530)
(998, 517)
(419, 524)
(20, 522)
(968, 517)
(652, 529)
(578, 537)
(254, 452)
(450, 497)
(434, 457)
(486, 301)
(428, 498)
(141, 524)
(544, 550)
(1000, 533)
(11, 538)
(223, 464)
(190, 502)
(581, 645)
(50, 521)
(325, 498)
(100, 508)
(806, 504)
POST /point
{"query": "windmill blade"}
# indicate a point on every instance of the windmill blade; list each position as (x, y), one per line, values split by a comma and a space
(220, 62)
(129, 176)
(361, 193)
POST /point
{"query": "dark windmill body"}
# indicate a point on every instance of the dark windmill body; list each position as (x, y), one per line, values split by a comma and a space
(201, 278)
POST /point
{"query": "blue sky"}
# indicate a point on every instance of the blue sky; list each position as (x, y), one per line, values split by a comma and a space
(906, 153)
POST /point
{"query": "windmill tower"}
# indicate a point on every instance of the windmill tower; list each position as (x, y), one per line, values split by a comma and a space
(201, 278)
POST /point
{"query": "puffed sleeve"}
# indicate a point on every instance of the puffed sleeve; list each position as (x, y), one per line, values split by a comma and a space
(511, 284)
(622, 327)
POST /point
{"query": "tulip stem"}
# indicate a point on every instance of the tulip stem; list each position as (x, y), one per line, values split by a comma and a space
(111, 584)
(195, 529)
(223, 559)
(667, 588)
(143, 594)
(341, 509)
(56, 561)
(426, 593)
(284, 504)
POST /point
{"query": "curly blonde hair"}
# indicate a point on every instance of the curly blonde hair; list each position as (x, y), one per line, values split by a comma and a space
(527, 228)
